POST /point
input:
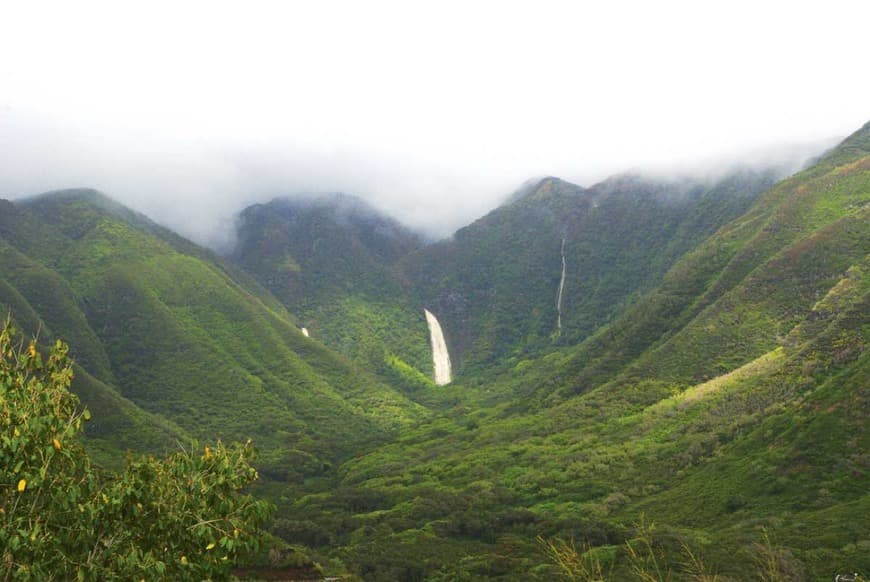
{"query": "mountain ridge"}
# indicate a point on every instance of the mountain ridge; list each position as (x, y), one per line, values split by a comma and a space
(710, 375)
(728, 405)
(165, 329)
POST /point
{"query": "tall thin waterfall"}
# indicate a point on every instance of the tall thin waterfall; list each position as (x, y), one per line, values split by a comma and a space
(440, 356)
(561, 289)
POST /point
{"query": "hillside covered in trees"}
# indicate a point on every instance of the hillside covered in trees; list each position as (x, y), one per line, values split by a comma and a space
(653, 376)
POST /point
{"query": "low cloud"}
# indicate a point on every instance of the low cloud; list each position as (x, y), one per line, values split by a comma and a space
(198, 187)
(435, 114)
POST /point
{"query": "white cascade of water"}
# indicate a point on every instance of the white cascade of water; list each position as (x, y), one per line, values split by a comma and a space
(304, 331)
(561, 289)
(440, 355)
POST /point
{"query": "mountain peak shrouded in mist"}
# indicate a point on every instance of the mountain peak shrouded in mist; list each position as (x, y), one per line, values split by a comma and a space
(145, 310)
(477, 280)
(212, 119)
(505, 267)
(345, 209)
(536, 188)
(321, 215)
(198, 187)
(687, 349)
(332, 260)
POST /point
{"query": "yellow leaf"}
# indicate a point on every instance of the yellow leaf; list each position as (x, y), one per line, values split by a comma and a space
(56, 444)
(32, 349)
(210, 546)
(22, 485)
(184, 559)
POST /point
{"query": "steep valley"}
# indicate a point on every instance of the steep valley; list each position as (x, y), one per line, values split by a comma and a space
(648, 375)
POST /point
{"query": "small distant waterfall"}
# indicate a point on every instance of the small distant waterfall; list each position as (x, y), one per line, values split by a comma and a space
(440, 356)
(559, 296)
(304, 331)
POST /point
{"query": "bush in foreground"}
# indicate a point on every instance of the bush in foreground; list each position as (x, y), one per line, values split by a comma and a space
(182, 517)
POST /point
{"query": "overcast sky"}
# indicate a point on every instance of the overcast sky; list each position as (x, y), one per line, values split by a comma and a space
(432, 111)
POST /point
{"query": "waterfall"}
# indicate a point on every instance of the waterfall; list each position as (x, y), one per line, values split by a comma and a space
(304, 331)
(561, 289)
(440, 356)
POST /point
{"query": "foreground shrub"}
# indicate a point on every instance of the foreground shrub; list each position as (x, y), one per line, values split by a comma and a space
(182, 517)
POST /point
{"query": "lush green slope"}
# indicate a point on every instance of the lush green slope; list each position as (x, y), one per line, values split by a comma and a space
(359, 281)
(496, 283)
(728, 405)
(710, 375)
(331, 260)
(183, 336)
(33, 296)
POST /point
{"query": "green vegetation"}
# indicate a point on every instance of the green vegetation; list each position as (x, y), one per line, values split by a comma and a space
(359, 281)
(332, 261)
(728, 404)
(181, 518)
(175, 342)
(494, 284)
(711, 376)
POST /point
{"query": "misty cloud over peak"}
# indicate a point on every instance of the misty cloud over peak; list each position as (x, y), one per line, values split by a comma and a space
(198, 189)
(189, 112)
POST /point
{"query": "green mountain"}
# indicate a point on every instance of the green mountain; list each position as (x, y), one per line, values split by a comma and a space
(34, 295)
(359, 281)
(497, 284)
(332, 261)
(701, 366)
(727, 404)
(182, 341)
